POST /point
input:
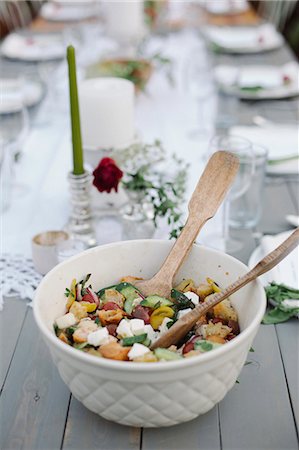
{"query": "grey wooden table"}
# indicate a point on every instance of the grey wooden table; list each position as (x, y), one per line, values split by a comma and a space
(260, 412)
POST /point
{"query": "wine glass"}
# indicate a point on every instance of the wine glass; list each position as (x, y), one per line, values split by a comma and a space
(14, 123)
(242, 148)
(200, 84)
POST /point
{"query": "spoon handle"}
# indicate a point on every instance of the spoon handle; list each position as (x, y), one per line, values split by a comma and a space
(209, 193)
(187, 322)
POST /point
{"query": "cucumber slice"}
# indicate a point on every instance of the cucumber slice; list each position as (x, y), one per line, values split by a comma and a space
(127, 342)
(130, 293)
(166, 355)
(154, 301)
(128, 305)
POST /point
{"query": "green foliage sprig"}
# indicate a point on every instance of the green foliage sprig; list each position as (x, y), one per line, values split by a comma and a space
(146, 173)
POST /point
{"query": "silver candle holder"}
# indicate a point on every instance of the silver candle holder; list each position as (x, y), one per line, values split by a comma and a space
(80, 224)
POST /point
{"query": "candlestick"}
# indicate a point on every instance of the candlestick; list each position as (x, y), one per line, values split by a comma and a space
(80, 223)
(107, 112)
(75, 114)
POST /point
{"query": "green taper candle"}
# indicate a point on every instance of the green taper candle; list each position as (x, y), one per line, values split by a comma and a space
(75, 113)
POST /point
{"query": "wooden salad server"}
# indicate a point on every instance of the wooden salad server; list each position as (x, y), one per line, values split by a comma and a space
(187, 322)
(209, 193)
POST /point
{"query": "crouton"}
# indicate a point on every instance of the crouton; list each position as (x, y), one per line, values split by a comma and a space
(85, 327)
(225, 310)
(217, 329)
(147, 357)
(203, 290)
(111, 316)
(113, 350)
(216, 339)
(111, 295)
(79, 311)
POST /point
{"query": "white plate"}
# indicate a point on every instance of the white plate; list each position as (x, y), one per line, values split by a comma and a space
(276, 82)
(30, 92)
(225, 6)
(58, 12)
(244, 39)
(36, 47)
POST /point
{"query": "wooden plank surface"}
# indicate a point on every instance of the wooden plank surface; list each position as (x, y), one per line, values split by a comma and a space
(86, 430)
(288, 336)
(201, 433)
(34, 400)
(11, 322)
(256, 414)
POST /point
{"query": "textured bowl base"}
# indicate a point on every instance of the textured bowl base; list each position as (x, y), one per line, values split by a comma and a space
(153, 404)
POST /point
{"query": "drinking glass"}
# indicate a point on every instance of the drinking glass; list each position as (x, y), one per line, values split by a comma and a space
(246, 210)
(242, 148)
(14, 124)
(200, 84)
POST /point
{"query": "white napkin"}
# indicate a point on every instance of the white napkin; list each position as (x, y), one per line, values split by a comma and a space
(243, 37)
(281, 142)
(286, 272)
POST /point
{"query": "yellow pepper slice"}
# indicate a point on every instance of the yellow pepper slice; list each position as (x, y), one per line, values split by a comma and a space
(214, 285)
(73, 294)
(159, 314)
(90, 307)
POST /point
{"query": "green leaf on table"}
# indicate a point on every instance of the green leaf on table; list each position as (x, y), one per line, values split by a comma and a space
(277, 315)
(278, 293)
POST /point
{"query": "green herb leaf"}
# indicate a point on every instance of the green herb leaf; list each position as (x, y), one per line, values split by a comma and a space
(277, 315)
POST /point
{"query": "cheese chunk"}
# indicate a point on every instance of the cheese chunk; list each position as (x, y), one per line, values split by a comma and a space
(193, 297)
(98, 337)
(68, 320)
(138, 350)
(137, 326)
(124, 329)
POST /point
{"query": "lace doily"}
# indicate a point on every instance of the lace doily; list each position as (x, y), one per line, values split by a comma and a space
(17, 277)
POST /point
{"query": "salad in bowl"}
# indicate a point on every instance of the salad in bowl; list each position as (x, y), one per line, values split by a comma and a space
(119, 323)
(173, 387)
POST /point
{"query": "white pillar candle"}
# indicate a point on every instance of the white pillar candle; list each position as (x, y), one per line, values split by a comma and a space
(107, 113)
(125, 18)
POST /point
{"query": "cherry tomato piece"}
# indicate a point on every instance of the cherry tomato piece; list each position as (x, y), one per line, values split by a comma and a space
(142, 312)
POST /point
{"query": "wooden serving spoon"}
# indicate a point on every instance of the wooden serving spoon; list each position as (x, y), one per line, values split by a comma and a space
(187, 322)
(209, 193)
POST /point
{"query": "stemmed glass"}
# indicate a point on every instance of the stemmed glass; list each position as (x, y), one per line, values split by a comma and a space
(242, 148)
(200, 84)
(14, 125)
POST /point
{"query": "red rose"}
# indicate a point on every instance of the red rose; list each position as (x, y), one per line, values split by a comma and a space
(107, 175)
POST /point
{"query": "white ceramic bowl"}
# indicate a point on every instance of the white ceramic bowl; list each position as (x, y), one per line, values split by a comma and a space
(148, 394)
